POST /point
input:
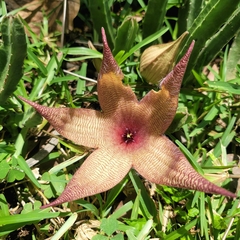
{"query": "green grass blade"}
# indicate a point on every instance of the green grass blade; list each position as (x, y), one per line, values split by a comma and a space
(13, 222)
(4, 210)
(141, 44)
(147, 205)
(226, 137)
(182, 231)
(113, 194)
(203, 220)
(36, 61)
(82, 51)
(88, 207)
(65, 227)
(22, 163)
(81, 84)
(3, 8)
(210, 116)
(225, 87)
(145, 230)
(122, 210)
(190, 157)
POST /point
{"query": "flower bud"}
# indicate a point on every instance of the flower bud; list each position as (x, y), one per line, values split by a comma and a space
(158, 60)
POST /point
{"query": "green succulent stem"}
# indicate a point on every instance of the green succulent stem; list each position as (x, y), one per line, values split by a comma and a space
(12, 54)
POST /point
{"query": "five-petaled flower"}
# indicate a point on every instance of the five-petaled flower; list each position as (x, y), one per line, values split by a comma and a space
(126, 133)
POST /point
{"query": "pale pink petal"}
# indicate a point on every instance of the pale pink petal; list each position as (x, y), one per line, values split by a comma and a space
(102, 170)
(82, 126)
(161, 162)
(162, 105)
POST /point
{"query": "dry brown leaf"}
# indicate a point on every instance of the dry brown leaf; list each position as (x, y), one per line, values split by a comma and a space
(35, 10)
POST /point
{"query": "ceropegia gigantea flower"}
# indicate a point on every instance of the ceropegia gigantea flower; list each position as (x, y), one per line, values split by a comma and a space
(158, 60)
(126, 134)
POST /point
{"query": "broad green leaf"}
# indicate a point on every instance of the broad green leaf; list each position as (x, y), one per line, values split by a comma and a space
(109, 225)
(100, 237)
(4, 166)
(119, 236)
(15, 174)
(56, 186)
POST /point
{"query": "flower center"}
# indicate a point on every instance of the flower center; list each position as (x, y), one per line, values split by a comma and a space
(128, 136)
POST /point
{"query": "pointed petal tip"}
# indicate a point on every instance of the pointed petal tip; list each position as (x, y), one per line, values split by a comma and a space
(52, 204)
(189, 51)
(41, 109)
(104, 38)
(22, 98)
(33, 104)
(172, 82)
(214, 189)
(109, 64)
(68, 195)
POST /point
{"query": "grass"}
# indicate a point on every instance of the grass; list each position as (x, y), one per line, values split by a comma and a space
(36, 163)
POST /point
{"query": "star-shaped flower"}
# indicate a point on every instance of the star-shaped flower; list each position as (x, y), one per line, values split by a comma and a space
(126, 133)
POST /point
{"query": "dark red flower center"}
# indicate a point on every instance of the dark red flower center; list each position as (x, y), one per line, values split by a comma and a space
(128, 136)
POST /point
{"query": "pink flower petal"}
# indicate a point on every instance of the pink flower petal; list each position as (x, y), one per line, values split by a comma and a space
(113, 95)
(162, 105)
(82, 126)
(102, 170)
(161, 162)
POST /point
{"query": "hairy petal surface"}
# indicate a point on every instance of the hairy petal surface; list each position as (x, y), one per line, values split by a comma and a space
(161, 162)
(102, 170)
(112, 94)
(162, 105)
(109, 64)
(82, 126)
